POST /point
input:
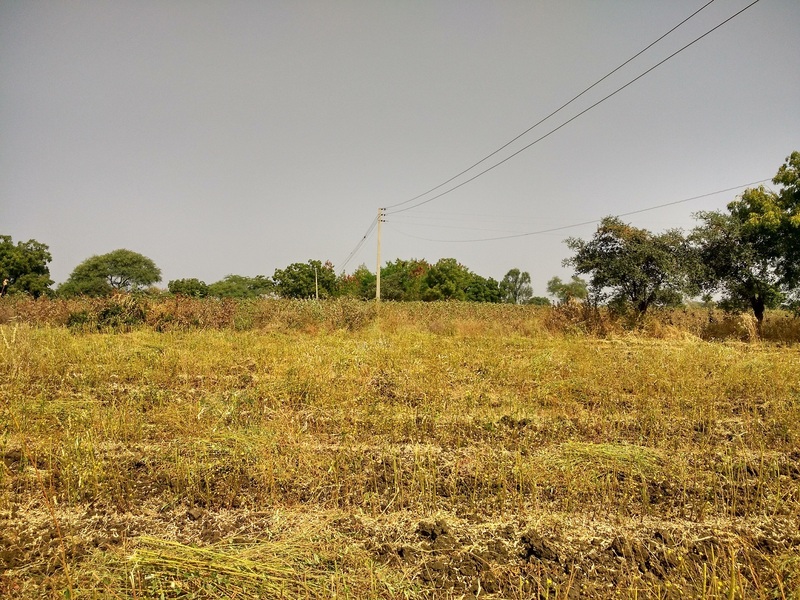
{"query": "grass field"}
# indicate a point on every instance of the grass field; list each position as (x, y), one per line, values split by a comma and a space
(296, 450)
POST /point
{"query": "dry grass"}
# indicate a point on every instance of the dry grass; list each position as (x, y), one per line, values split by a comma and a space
(429, 451)
(126, 313)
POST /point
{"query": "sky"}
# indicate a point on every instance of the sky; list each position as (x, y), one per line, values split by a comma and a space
(238, 137)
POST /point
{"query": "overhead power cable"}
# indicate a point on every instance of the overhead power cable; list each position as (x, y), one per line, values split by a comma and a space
(457, 227)
(563, 227)
(583, 112)
(360, 243)
(559, 109)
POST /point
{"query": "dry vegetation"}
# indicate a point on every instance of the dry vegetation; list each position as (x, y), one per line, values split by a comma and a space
(201, 449)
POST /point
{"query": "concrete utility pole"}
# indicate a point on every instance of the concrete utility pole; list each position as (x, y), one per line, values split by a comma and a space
(381, 213)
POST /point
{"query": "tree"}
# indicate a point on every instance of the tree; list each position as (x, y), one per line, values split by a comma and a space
(481, 289)
(751, 253)
(193, 288)
(305, 280)
(734, 264)
(24, 265)
(633, 267)
(120, 270)
(564, 292)
(360, 284)
(446, 280)
(404, 280)
(516, 287)
(239, 286)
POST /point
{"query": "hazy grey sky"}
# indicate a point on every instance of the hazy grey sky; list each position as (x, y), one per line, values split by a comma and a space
(239, 137)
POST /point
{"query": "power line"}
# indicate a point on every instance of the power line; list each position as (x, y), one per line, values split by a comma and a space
(552, 131)
(435, 214)
(504, 223)
(434, 226)
(450, 216)
(563, 227)
(559, 109)
(360, 243)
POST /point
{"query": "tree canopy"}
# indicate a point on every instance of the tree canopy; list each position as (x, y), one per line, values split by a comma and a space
(240, 286)
(119, 270)
(415, 280)
(483, 289)
(24, 265)
(404, 279)
(632, 267)
(360, 284)
(306, 280)
(193, 287)
(446, 280)
(751, 253)
(516, 287)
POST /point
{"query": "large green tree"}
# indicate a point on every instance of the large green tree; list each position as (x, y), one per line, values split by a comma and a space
(735, 265)
(482, 289)
(120, 270)
(359, 284)
(404, 280)
(446, 280)
(306, 280)
(193, 287)
(633, 268)
(751, 253)
(24, 265)
(240, 286)
(516, 287)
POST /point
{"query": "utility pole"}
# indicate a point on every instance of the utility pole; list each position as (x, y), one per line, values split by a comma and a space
(378, 270)
(316, 284)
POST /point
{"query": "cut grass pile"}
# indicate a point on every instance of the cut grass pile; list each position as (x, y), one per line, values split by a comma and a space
(396, 461)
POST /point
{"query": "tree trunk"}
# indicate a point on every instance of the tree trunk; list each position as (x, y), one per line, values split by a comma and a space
(757, 302)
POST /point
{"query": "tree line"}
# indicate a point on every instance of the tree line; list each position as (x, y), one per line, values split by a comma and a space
(745, 258)
(24, 267)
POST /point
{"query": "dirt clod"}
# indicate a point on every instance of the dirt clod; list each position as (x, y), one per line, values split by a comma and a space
(534, 546)
(195, 514)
